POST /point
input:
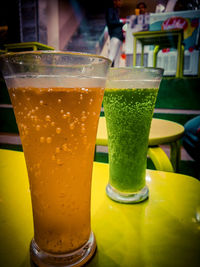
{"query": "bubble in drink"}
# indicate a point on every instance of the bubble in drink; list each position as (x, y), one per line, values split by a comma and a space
(57, 149)
(58, 130)
(59, 162)
(48, 118)
(42, 139)
(37, 127)
(65, 147)
(48, 140)
(71, 126)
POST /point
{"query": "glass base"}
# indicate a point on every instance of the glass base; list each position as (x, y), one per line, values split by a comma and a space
(76, 258)
(127, 197)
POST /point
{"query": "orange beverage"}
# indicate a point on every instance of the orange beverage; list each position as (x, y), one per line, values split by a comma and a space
(60, 125)
(57, 102)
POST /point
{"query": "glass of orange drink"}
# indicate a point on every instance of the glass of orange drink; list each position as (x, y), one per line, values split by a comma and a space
(57, 98)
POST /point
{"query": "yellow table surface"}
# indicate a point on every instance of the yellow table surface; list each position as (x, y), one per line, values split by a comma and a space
(162, 231)
(161, 132)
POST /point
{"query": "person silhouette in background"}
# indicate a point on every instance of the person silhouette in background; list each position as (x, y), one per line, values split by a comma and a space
(142, 7)
(115, 31)
(191, 140)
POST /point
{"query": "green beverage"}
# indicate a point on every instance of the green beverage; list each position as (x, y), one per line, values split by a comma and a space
(128, 114)
(128, 111)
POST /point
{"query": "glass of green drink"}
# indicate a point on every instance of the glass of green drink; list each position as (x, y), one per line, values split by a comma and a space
(129, 101)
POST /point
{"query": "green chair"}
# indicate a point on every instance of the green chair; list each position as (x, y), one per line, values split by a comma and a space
(161, 39)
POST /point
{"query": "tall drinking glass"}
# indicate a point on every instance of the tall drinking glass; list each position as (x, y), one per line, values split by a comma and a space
(129, 101)
(57, 99)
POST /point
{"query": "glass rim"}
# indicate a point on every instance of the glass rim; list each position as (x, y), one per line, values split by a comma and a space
(151, 69)
(55, 52)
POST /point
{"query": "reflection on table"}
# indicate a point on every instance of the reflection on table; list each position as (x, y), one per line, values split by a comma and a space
(162, 231)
